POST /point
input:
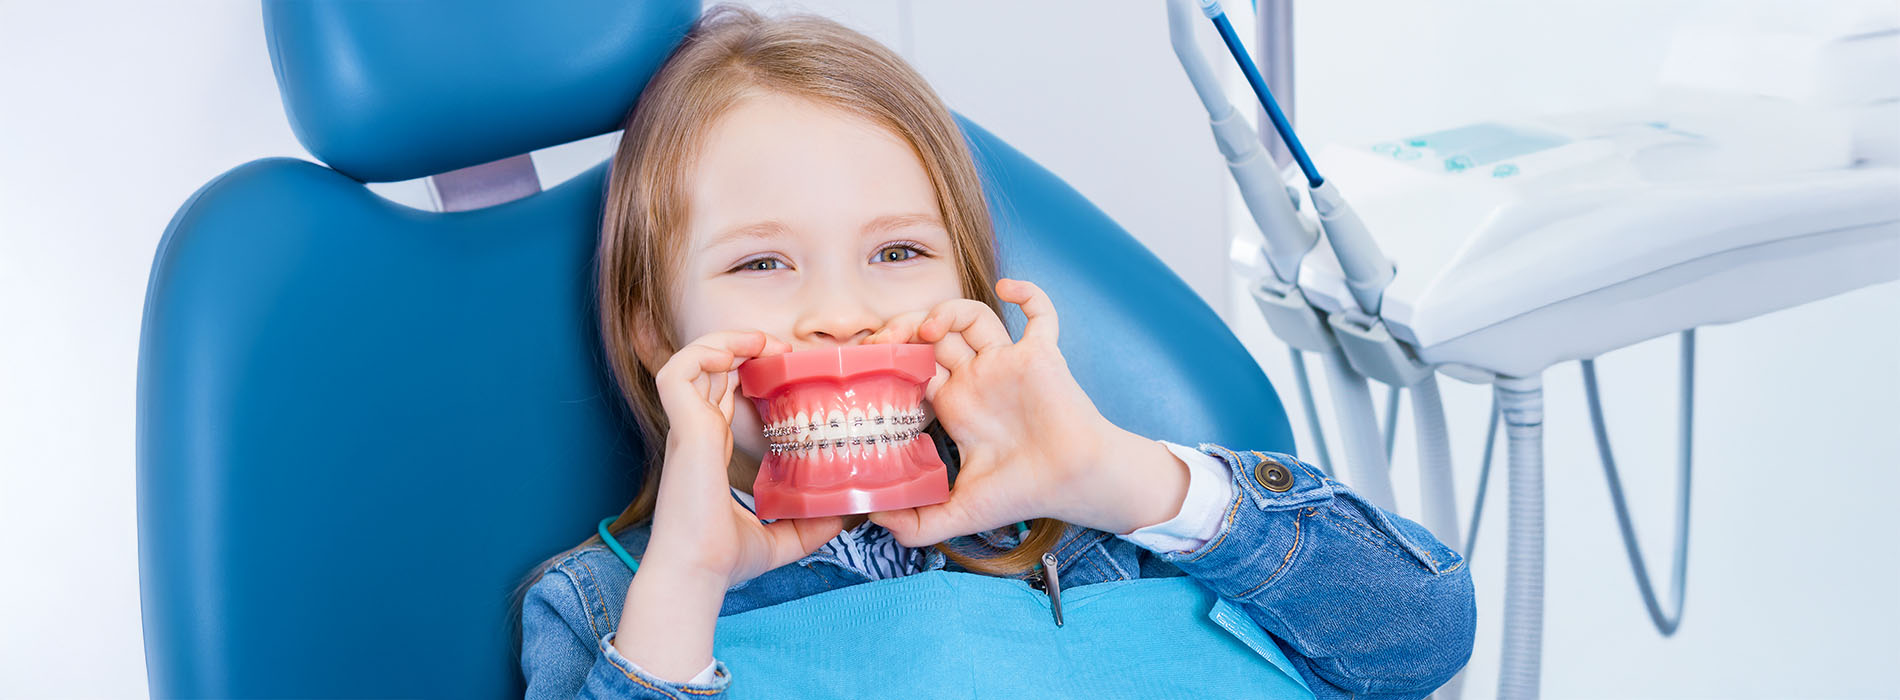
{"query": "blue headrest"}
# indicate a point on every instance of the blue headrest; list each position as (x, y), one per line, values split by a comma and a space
(385, 91)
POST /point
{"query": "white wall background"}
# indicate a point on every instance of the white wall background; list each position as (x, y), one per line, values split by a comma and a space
(111, 115)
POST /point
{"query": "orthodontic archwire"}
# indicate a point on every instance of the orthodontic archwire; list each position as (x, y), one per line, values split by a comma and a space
(911, 419)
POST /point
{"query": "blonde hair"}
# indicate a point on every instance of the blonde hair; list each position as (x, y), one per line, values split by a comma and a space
(729, 53)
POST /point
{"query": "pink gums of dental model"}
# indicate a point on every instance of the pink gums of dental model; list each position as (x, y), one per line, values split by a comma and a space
(844, 428)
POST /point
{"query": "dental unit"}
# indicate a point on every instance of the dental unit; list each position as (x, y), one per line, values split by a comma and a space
(1582, 233)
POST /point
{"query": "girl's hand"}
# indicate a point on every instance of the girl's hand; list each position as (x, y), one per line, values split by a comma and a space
(1033, 444)
(698, 527)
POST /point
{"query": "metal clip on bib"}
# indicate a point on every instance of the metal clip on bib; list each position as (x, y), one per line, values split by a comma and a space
(1055, 585)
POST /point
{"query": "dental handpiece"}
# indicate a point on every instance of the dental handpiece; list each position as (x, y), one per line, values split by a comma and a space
(1286, 239)
(1367, 269)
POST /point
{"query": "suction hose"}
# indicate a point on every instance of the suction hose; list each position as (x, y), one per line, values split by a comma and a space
(1685, 439)
(1359, 429)
(1521, 400)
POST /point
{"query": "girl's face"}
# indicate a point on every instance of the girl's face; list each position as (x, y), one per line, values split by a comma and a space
(811, 224)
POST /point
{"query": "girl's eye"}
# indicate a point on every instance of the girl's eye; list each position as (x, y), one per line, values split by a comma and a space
(766, 264)
(899, 252)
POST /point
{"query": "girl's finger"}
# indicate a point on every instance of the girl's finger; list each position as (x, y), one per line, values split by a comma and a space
(717, 384)
(936, 382)
(700, 371)
(693, 362)
(1036, 306)
(683, 379)
(746, 344)
(974, 320)
(717, 352)
(793, 538)
(901, 328)
(953, 350)
(927, 525)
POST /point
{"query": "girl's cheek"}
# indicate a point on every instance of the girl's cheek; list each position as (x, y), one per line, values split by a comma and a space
(748, 431)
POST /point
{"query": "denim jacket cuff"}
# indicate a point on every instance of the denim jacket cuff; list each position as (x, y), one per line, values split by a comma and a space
(1210, 488)
(616, 676)
(1256, 541)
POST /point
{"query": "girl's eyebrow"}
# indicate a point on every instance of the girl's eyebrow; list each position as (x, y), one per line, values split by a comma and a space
(892, 222)
(763, 229)
(772, 227)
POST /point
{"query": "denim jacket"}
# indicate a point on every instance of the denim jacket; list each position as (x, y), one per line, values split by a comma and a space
(1363, 602)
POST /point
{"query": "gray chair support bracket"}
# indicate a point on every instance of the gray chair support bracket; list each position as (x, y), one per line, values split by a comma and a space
(485, 185)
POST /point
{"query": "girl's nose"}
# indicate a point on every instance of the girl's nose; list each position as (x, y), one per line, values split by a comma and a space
(838, 315)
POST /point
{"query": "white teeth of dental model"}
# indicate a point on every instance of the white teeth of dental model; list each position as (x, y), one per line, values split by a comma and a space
(880, 439)
(834, 430)
(857, 431)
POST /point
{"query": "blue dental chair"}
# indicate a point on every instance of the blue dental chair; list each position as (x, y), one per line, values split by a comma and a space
(360, 424)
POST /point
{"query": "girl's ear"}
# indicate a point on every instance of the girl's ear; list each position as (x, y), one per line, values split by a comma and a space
(647, 343)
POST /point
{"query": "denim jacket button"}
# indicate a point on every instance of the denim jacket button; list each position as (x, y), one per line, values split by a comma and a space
(1272, 475)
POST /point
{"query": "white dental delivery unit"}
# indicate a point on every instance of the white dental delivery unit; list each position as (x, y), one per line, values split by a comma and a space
(1632, 224)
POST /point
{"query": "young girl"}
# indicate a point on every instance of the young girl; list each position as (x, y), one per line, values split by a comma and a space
(789, 184)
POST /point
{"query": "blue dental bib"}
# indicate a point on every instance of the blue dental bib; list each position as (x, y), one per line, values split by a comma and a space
(943, 634)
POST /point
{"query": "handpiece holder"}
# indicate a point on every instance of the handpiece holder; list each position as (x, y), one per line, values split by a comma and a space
(1374, 352)
(1291, 316)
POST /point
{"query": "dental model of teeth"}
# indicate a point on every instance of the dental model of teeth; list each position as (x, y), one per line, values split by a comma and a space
(844, 428)
(860, 429)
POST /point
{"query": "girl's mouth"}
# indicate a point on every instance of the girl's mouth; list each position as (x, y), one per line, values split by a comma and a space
(844, 427)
